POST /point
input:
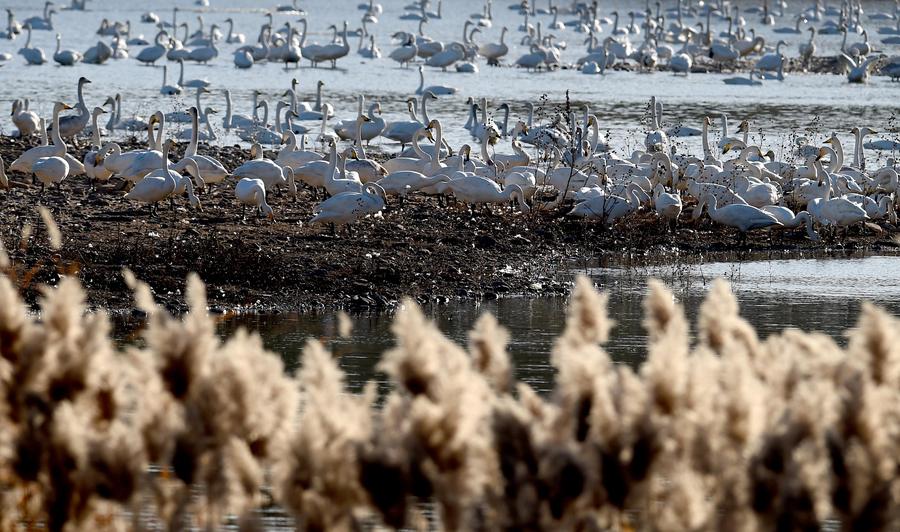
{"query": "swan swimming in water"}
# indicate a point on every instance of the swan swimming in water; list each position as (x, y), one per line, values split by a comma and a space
(437, 90)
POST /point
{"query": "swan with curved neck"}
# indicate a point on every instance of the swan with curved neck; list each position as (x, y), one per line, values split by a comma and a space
(210, 170)
(25, 161)
(349, 207)
(162, 183)
(91, 168)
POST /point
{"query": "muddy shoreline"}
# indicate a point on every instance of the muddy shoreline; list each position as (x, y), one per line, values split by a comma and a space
(420, 249)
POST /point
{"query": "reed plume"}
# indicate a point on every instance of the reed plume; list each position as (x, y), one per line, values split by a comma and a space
(192, 430)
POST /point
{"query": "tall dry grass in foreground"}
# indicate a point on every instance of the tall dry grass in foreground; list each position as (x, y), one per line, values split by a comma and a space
(731, 433)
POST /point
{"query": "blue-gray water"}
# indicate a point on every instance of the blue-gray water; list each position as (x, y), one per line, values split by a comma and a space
(822, 295)
(804, 104)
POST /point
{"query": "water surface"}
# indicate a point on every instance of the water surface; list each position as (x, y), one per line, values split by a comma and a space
(821, 295)
(806, 105)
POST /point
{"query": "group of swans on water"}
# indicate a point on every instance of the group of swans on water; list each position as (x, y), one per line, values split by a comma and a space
(570, 165)
(667, 38)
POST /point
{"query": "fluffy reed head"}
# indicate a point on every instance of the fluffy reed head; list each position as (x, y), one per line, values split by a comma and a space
(730, 433)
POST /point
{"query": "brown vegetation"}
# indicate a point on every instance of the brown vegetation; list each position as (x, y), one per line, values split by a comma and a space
(729, 432)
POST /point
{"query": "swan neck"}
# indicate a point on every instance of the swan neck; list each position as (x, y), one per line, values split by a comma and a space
(195, 135)
(332, 163)
(162, 128)
(95, 135)
(425, 117)
(57, 139)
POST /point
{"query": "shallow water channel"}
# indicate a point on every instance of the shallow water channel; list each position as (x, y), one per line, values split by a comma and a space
(812, 294)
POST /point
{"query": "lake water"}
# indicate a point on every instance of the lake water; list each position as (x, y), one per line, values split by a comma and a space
(807, 105)
(811, 294)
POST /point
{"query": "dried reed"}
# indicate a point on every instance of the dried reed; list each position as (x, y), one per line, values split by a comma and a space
(728, 433)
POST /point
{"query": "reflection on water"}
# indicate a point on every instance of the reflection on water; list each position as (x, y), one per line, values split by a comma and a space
(820, 295)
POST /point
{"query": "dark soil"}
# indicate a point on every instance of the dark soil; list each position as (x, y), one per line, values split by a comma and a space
(420, 248)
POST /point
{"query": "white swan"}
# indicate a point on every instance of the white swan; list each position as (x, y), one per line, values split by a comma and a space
(233, 38)
(243, 59)
(860, 72)
(162, 183)
(420, 163)
(268, 171)
(403, 131)
(26, 121)
(211, 170)
(151, 54)
(742, 217)
(609, 208)
(473, 189)
(166, 89)
(205, 54)
(367, 129)
(668, 206)
(65, 57)
(92, 169)
(792, 221)
(349, 207)
(453, 53)
(834, 211)
(44, 22)
(191, 83)
(25, 161)
(34, 56)
(406, 52)
(437, 90)
(249, 191)
(404, 182)
(133, 165)
(50, 170)
(656, 140)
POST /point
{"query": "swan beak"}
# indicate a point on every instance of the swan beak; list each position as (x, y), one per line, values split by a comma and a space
(822, 153)
(726, 149)
(271, 216)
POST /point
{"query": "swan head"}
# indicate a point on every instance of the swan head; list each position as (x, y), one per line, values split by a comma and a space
(60, 106)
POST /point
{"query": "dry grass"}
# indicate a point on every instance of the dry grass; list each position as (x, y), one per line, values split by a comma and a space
(731, 433)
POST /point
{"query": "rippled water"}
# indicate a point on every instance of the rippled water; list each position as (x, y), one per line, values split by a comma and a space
(811, 105)
(812, 294)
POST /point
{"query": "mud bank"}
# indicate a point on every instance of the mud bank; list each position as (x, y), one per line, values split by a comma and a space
(421, 248)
